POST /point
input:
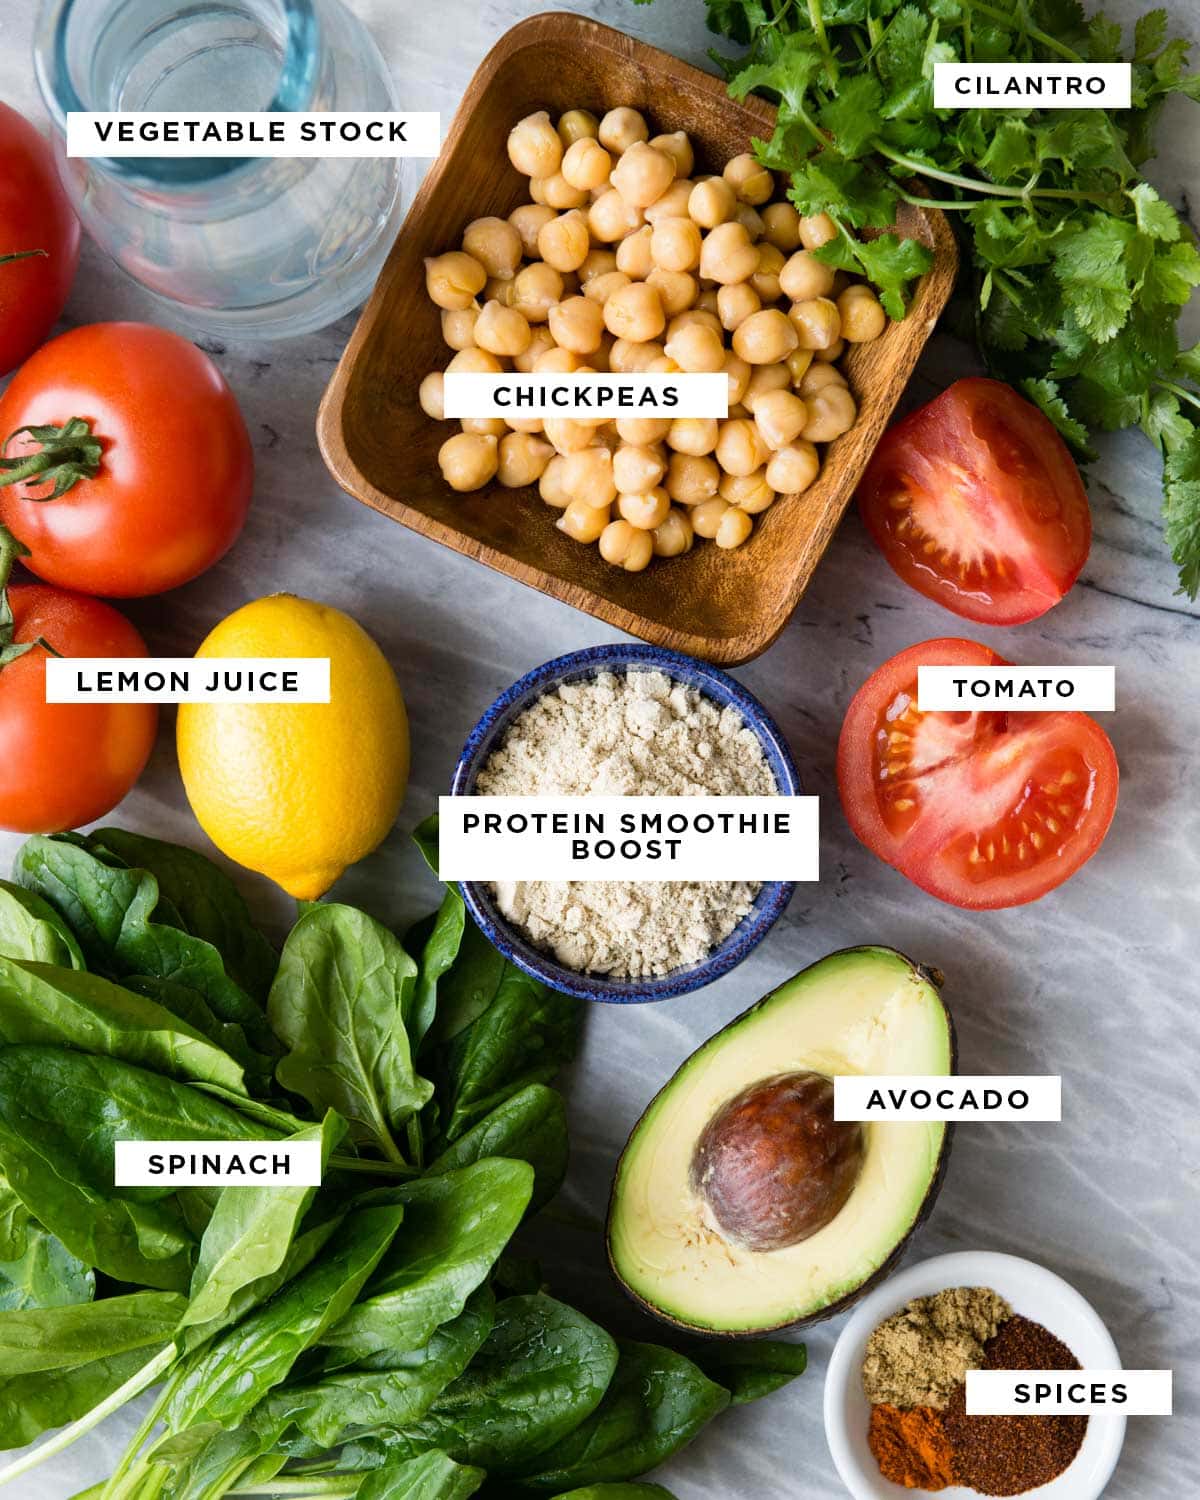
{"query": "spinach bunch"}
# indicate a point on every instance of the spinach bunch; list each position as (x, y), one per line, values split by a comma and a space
(374, 1338)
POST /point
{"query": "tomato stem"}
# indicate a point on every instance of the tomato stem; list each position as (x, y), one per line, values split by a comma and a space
(68, 453)
(11, 548)
(22, 255)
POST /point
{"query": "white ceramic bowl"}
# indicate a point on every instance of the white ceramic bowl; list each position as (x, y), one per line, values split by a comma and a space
(1033, 1292)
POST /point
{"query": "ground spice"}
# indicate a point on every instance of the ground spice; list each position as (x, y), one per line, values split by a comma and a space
(1010, 1455)
(911, 1447)
(919, 1355)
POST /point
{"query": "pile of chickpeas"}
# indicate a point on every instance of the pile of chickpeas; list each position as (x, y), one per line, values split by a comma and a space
(626, 262)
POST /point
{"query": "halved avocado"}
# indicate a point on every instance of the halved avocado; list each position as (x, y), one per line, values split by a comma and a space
(739, 1204)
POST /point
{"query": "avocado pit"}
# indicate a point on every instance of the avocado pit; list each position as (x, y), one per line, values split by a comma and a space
(773, 1166)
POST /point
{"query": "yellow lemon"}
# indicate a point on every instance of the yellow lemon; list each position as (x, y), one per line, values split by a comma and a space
(298, 791)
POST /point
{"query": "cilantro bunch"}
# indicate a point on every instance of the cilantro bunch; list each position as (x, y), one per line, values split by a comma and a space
(1080, 269)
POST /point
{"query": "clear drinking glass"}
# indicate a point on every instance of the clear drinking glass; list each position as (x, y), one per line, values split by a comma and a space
(267, 247)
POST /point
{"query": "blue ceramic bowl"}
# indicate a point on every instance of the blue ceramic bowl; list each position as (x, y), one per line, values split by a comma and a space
(713, 684)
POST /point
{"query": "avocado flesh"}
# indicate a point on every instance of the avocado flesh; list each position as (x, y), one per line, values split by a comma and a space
(861, 1011)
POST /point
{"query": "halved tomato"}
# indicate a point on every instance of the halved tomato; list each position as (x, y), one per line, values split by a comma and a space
(984, 809)
(976, 502)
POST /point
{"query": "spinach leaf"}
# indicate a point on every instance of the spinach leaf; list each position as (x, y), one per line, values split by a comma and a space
(455, 1226)
(470, 985)
(60, 1114)
(658, 1401)
(14, 1222)
(40, 1003)
(250, 1232)
(45, 1275)
(57, 1338)
(542, 1371)
(206, 899)
(749, 1371)
(29, 1404)
(227, 1377)
(435, 944)
(190, 1006)
(340, 1002)
(432, 1476)
(125, 928)
(31, 928)
(532, 1127)
(208, 1472)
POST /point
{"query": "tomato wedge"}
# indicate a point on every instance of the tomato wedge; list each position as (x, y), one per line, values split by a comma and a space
(976, 502)
(983, 810)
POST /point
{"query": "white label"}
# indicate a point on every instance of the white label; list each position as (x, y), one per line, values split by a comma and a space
(183, 679)
(253, 132)
(1060, 85)
(628, 838)
(964, 1097)
(588, 397)
(216, 1163)
(1028, 689)
(1064, 1393)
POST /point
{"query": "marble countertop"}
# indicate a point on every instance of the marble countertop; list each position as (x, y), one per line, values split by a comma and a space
(1097, 982)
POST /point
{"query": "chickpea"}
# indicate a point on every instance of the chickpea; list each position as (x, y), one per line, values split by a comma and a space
(637, 469)
(495, 244)
(502, 330)
(475, 362)
(696, 349)
(633, 253)
(596, 263)
(524, 424)
(611, 218)
(706, 517)
(692, 478)
(586, 164)
(557, 192)
(564, 242)
(750, 219)
(522, 460)
(665, 366)
(712, 202)
(495, 427)
(500, 289)
(863, 319)
(679, 148)
(735, 303)
(673, 203)
(588, 475)
(452, 280)
(804, 277)
(599, 357)
(569, 434)
(674, 536)
(691, 316)
(817, 323)
(779, 416)
(621, 128)
(817, 377)
(765, 280)
(643, 432)
(534, 146)
(629, 358)
(792, 469)
(556, 361)
(538, 288)
(831, 412)
(583, 522)
(707, 301)
(431, 393)
(577, 125)
(675, 244)
(676, 290)
(763, 380)
(740, 447)
(527, 221)
(577, 324)
(765, 337)
(550, 485)
(458, 326)
(831, 355)
(816, 230)
(781, 225)
(635, 313)
(749, 179)
(694, 435)
(739, 373)
(468, 460)
(733, 528)
(750, 492)
(727, 255)
(798, 362)
(642, 175)
(626, 546)
(646, 511)
(600, 288)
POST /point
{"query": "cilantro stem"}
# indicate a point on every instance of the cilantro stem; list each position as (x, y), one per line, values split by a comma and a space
(976, 185)
(1032, 32)
(1181, 391)
(817, 22)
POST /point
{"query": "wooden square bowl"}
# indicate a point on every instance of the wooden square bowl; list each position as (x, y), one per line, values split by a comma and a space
(380, 447)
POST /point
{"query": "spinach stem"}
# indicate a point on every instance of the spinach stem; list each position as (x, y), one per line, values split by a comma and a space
(333, 1488)
(134, 1386)
(378, 1168)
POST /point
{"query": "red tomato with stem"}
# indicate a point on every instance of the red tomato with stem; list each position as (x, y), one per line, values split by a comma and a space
(126, 467)
(981, 809)
(62, 764)
(39, 239)
(976, 502)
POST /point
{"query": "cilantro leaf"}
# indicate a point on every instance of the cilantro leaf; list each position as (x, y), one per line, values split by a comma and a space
(1048, 398)
(850, 116)
(1154, 217)
(1181, 510)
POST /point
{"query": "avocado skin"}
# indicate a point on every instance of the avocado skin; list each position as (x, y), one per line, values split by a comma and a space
(936, 979)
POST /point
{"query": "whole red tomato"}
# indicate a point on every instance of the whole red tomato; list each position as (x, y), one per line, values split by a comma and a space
(39, 240)
(62, 764)
(137, 474)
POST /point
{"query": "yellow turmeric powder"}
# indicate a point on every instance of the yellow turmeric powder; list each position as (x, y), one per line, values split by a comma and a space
(911, 1447)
